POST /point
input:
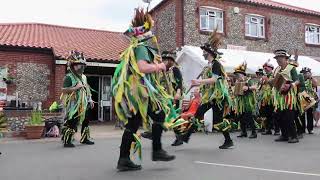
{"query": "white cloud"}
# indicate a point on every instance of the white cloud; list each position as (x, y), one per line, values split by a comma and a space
(112, 15)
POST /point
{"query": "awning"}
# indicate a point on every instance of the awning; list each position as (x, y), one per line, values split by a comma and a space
(191, 60)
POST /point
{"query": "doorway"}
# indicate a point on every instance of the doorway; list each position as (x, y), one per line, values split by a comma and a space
(101, 84)
(93, 81)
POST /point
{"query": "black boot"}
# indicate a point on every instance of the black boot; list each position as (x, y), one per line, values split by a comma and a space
(186, 137)
(68, 138)
(87, 142)
(300, 136)
(293, 140)
(242, 135)
(268, 132)
(177, 142)
(85, 136)
(162, 155)
(147, 135)
(125, 164)
(227, 144)
(253, 135)
(281, 139)
(276, 133)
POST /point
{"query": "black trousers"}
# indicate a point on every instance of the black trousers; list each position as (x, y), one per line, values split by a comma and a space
(307, 123)
(132, 127)
(246, 119)
(71, 126)
(268, 114)
(74, 122)
(217, 116)
(287, 123)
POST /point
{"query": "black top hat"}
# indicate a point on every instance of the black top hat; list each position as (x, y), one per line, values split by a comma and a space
(260, 72)
(169, 55)
(305, 70)
(207, 47)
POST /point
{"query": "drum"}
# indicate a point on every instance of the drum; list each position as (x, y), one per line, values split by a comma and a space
(306, 101)
(238, 88)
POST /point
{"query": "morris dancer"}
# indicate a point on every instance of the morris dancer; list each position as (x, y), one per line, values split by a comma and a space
(76, 98)
(215, 92)
(245, 104)
(139, 97)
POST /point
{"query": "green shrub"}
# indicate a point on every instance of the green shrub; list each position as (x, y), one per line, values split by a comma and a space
(36, 118)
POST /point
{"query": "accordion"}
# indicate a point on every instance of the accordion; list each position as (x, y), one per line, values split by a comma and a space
(238, 88)
(279, 81)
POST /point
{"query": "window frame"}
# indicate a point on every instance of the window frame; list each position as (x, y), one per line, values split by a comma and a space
(259, 26)
(209, 9)
(306, 33)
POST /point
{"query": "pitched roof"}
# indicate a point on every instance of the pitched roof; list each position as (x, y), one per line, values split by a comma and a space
(268, 3)
(96, 45)
(279, 5)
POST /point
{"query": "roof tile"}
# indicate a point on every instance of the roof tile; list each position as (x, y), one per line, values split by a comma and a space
(95, 44)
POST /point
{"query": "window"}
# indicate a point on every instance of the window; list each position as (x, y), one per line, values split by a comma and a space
(312, 34)
(255, 26)
(210, 19)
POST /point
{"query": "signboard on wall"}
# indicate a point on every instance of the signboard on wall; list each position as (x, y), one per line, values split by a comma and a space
(230, 46)
(3, 85)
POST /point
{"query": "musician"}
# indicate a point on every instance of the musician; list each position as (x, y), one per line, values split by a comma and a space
(285, 96)
(245, 102)
(175, 77)
(259, 112)
(214, 91)
(300, 125)
(267, 101)
(310, 84)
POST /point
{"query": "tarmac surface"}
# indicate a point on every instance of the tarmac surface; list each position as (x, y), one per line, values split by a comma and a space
(201, 159)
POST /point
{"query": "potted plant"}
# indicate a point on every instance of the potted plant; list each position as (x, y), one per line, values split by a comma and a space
(35, 127)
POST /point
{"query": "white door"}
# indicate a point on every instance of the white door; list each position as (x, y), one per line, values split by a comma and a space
(105, 102)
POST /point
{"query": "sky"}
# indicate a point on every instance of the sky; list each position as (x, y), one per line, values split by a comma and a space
(113, 15)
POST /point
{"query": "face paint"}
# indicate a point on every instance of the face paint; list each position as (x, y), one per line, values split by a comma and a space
(80, 69)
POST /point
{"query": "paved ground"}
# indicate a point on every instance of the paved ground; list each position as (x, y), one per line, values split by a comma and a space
(260, 159)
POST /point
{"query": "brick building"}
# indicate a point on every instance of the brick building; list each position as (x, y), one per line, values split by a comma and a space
(253, 25)
(34, 56)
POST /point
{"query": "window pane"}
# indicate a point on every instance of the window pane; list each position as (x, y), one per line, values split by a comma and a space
(219, 14)
(219, 25)
(254, 30)
(203, 22)
(211, 23)
(247, 29)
